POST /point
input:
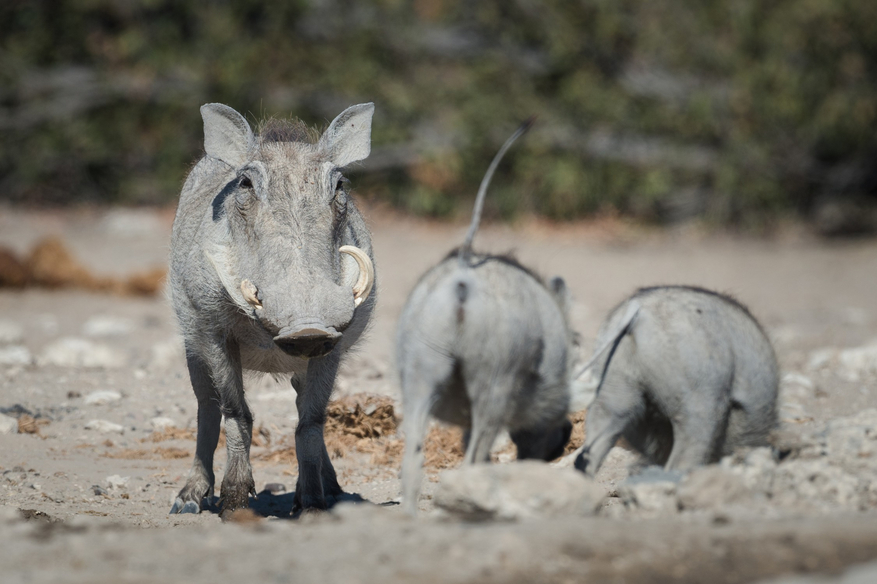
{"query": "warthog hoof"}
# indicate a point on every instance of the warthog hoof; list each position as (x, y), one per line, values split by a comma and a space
(181, 506)
(236, 496)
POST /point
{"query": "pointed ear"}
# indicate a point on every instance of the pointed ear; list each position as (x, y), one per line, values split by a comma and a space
(348, 138)
(227, 135)
(561, 294)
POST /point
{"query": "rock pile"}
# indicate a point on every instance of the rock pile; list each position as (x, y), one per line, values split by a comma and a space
(832, 468)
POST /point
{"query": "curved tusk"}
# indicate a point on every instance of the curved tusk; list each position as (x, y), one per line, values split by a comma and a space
(249, 290)
(366, 280)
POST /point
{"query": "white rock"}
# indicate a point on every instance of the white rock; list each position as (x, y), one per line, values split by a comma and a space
(160, 423)
(795, 391)
(711, 487)
(522, 490)
(76, 352)
(10, 332)
(15, 355)
(104, 325)
(166, 354)
(820, 359)
(816, 484)
(792, 379)
(116, 482)
(652, 492)
(105, 427)
(858, 362)
(97, 398)
(8, 424)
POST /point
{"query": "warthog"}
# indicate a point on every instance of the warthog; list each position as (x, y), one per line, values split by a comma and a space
(686, 375)
(271, 271)
(483, 343)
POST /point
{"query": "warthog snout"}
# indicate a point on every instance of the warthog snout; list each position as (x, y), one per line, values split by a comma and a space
(313, 341)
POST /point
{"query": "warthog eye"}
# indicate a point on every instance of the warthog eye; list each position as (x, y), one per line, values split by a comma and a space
(245, 182)
(339, 201)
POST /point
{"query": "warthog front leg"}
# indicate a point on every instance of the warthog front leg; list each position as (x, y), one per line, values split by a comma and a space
(237, 483)
(215, 370)
(317, 484)
(201, 478)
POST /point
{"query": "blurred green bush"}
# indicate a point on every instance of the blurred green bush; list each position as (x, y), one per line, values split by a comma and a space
(735, 110)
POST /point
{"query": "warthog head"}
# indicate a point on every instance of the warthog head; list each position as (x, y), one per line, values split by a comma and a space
(284, 248)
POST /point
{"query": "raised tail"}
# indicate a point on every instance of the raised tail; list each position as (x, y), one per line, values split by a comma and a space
(466, 248)
(624, 327)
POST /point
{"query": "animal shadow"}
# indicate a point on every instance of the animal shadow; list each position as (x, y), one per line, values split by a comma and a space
(280, 505)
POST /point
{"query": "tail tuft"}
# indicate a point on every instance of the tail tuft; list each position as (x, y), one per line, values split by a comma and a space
(462, 292)
(462, 295)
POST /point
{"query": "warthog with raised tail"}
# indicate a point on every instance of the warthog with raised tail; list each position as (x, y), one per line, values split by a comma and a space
(271, 271)
(685, 375)
(484, 343)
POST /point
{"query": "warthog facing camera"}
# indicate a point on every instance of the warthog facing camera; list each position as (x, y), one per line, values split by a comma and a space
(484, 344)
(686, 375)
(271, 271)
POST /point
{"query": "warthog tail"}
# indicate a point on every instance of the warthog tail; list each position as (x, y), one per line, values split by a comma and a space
(466, 248)
(623, 328)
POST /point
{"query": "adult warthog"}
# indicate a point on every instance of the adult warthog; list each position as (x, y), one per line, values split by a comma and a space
(271, 271)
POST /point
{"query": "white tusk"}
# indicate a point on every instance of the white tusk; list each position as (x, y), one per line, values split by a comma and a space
(366, 280)
(248, 289)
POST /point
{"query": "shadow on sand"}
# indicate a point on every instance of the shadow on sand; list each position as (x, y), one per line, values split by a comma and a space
(280, 505)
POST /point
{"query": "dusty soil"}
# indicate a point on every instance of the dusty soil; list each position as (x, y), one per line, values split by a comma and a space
(106, 416)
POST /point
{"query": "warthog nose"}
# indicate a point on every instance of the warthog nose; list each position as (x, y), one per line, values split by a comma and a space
(308, 342)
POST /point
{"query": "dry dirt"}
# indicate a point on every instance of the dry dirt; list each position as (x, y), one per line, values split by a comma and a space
(105, 416)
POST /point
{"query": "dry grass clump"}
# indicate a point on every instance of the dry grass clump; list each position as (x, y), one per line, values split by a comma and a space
(157, 453)
(364, 423)
(442, 447)
(28, 424)
(173, 433)
(577, 438)
(51, 265)
(261, 435)
(367, 424)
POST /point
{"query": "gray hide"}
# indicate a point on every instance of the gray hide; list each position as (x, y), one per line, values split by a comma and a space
(259, 283)
(482, 343)
(686, 376)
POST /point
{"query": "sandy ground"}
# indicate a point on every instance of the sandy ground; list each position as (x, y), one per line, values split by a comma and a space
(104, 379)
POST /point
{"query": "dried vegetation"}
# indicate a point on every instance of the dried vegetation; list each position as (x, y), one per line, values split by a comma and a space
(51, 265)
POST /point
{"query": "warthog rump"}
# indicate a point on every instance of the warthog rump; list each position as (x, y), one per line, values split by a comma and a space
(484, 343)
(685, 375)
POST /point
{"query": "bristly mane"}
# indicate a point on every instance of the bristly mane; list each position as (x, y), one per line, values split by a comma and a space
(287, 130)
(726, 297)
(476, 258)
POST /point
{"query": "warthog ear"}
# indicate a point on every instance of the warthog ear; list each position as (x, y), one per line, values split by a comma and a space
(348, 138)
(227, 135)
(561, 294)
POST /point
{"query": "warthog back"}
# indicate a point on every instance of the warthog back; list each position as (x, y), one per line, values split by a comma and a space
(686, 375)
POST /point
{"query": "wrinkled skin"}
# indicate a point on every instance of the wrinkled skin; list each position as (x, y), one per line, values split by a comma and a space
(689, 375)
(484, 345)
(258, 283)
